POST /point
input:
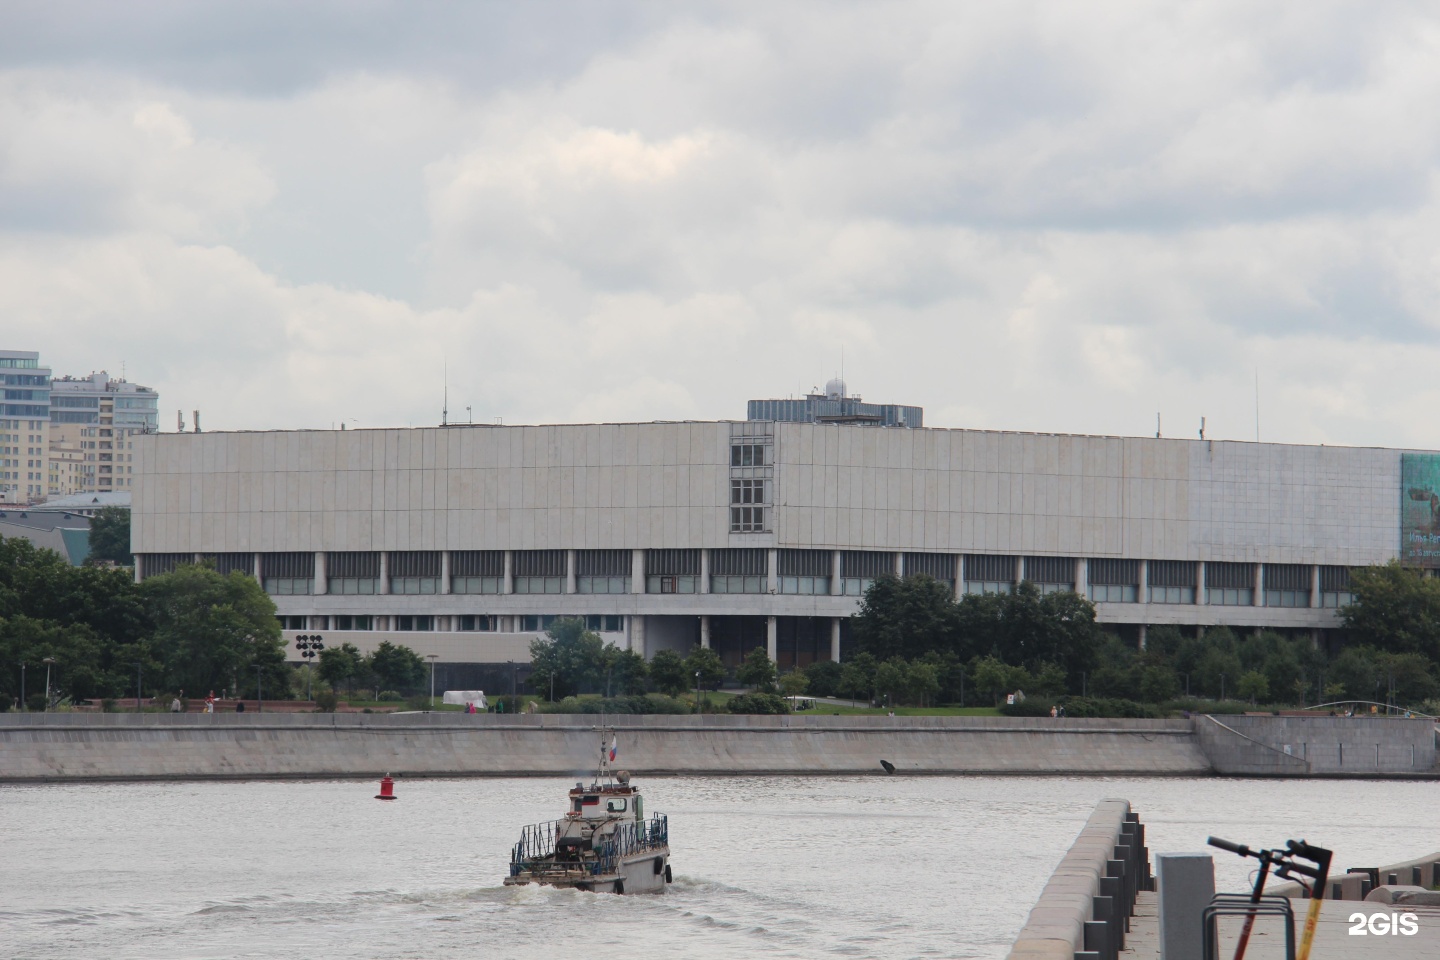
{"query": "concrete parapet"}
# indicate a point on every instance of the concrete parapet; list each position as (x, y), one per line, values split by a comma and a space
(151, 746)
(1235, 753)
(1056, 927)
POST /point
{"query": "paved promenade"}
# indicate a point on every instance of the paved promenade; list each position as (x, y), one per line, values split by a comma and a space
(1333, 940)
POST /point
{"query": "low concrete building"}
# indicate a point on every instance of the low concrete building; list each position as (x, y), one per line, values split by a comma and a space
(465, 541)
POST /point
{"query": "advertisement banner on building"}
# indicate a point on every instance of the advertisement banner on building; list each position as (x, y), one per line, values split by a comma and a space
(1420, 509)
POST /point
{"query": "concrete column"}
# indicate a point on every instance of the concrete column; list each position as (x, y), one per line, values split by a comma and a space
(444, 571)
(384, 586)
(704, 586)
(1257, 595)
(258, 577)
(899, 564)
(508, 585)
(772, 638)
(959, 572)
(772, 571)
(705, 631)
(1142, 636)
(836, 584)
(638, 637)
(569, 571)
(1019, 570)
(637, 571)
(1202, 595)
(1315, 585)
(1144, 596)
(322, 581)
(835, 639)
(1082, 577)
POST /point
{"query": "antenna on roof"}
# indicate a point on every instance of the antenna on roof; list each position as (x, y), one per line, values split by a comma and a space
(445, 402)
(1202, 428)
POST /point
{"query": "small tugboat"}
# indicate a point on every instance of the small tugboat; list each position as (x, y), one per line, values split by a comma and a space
(602, 844)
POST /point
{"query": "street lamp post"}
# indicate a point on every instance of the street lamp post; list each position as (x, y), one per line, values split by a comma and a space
(139, 684)
(432, 657)
(309, 646)
(1222, 686)
(697, 691)
(23, 708)
(259, 690)
(48, 661)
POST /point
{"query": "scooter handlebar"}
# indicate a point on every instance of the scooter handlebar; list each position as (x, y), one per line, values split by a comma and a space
(1239, 848)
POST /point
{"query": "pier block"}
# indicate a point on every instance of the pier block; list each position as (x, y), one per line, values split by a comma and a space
(1185, 883)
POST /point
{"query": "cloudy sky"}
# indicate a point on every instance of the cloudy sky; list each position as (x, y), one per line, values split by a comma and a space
(1032, 216)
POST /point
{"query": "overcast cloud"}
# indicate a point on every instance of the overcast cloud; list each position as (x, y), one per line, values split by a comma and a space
(1034, 216)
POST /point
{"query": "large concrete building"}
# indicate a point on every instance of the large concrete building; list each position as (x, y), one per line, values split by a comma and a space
(466, 541)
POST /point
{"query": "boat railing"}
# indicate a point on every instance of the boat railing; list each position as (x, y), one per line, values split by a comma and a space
(632, 838)
(537, 843)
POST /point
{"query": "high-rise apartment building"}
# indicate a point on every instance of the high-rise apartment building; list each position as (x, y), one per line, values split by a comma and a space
(24, 426)
(93, 422)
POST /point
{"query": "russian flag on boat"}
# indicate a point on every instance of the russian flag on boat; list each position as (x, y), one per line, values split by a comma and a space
(613, 743)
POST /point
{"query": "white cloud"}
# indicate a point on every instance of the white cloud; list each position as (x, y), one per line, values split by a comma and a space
(1031, 215)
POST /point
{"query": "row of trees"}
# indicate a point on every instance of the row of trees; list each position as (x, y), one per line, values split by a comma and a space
(1051, 644)
(192, 629)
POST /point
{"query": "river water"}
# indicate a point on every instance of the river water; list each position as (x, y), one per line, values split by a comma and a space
(764, 867)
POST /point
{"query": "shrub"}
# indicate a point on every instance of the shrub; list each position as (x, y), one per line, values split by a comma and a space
(391, 696)
(1108, 707)
(1029, 707)
(763, 703)
(35, 702)
(4, 703)
(648, 703)
(107, 705)
(419, 701)
(326, 701)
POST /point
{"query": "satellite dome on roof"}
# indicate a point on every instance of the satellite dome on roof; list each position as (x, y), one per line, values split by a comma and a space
(835, 389)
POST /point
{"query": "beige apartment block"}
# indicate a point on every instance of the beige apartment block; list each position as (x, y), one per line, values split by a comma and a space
(100, 416)
(24, 423)
(468, 540)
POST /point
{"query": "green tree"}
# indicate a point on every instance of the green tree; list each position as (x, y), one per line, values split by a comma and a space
(1253, 686)
(994, 678)
(78, 672)
(1158, 683)
(890, 680)
(570, 656)
(1396, 610)
(668, 673)
(906, 617)
(397, 667)
(794, 683)
(757, 671)
(857, 676)
(340, 665)
(629, 671)
(706, 663)
(922, 682)
(211, 631)
(824, 678)
(110, 536)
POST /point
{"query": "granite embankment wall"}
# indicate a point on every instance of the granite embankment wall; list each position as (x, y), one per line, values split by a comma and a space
(1319, 746)
(36, 747)
(162, 746)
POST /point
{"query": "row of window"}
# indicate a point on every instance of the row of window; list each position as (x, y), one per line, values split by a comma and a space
(468, 622)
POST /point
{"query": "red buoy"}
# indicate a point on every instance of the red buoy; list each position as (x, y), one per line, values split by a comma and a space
(387, 788)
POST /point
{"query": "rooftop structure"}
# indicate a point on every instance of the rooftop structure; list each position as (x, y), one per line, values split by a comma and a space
(838, 407)
(94, 419)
